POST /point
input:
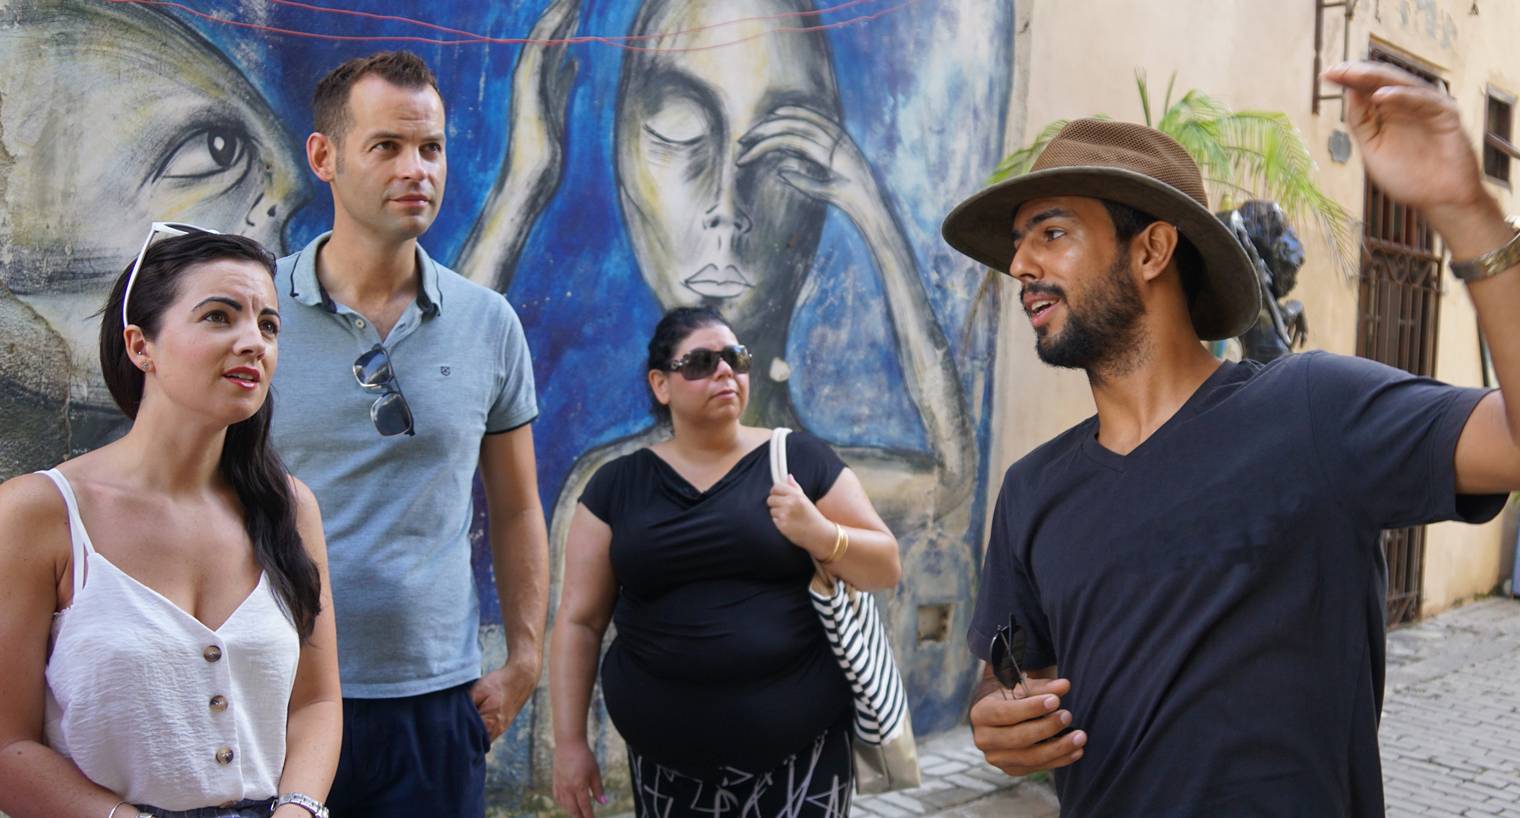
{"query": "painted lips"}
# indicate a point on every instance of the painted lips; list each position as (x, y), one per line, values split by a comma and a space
(712, 282)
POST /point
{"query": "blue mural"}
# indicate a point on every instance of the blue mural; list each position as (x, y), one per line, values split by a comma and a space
(786, 162)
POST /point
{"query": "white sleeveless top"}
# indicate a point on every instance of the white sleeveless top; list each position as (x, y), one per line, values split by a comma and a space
(153, 705)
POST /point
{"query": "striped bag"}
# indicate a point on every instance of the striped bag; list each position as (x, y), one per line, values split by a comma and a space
(886, 757)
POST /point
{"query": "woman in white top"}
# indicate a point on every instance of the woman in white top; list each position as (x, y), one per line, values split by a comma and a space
(165, 618)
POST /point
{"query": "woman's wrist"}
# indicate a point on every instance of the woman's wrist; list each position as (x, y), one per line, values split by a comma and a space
(298, 805)
(122, 809)
(824, 545)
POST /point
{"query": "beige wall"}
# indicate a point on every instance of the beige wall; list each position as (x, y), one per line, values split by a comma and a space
(1082, 55)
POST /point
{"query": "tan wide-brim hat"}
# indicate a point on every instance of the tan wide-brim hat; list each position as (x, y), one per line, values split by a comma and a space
(1133, 165)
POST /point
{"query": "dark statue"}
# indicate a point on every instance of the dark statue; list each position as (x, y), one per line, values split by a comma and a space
(1274, 248)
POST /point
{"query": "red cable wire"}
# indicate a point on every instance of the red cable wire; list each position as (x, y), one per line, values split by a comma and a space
(475, 39)
(626, 37)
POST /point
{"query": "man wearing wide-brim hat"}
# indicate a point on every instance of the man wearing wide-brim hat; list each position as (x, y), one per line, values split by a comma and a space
(1192, 578)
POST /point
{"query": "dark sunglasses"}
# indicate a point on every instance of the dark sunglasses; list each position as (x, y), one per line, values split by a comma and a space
(1008, 644)
(700, 363)
(389, 412)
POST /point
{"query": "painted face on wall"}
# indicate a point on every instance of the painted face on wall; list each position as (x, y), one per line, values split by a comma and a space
(705, 229)
(115, 116)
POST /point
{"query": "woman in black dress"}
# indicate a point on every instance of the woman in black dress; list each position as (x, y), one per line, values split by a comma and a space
(719, 679)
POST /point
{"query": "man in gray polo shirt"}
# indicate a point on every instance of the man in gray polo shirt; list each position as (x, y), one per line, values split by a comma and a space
(398, 377)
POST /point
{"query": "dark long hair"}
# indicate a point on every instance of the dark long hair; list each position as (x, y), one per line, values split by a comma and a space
(248, 462)
(673, 328)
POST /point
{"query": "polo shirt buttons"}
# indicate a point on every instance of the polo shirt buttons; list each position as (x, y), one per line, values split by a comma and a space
(224, 756)
(218, 704)
(212, 653)
(359, 322)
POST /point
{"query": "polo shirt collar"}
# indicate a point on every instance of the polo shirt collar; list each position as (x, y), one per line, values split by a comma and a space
(307, 289)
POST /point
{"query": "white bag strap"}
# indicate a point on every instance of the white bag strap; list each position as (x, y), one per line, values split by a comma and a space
(823, 582)
(778, 454)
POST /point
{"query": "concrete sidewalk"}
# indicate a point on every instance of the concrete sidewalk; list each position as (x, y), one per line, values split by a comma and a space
(1451, 716)
(958, 783)
(1450, 733)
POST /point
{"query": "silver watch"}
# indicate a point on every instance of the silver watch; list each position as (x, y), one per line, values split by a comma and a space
(302, 800)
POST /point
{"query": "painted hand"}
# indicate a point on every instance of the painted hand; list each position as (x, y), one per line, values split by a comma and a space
(577, 780)
(541, 85)
(1410, 137)
(797, 518)
(816, 157)
(500, 696)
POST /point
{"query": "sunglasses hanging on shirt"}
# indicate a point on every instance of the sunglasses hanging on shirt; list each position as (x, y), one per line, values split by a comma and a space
(390, 412)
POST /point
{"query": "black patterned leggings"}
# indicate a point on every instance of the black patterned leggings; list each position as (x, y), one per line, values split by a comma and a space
(815, 783)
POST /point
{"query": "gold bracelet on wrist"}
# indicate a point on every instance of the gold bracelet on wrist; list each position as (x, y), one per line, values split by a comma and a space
(1489, 264)
(841, 542)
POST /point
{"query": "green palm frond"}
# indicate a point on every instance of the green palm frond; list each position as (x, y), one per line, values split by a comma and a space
(1018, 162)
(1241, 154)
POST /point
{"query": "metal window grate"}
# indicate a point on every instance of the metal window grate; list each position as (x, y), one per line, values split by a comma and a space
(1498, 148)
(1398, 315)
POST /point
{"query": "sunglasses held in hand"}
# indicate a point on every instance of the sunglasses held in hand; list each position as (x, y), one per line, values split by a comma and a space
(1008, 644)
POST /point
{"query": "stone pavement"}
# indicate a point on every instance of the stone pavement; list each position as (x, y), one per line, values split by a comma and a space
(1450, 733)
(958, 783)
(1451, 715)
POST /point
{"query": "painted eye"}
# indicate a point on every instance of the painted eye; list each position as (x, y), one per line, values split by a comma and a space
(678, 122)
(207, 152)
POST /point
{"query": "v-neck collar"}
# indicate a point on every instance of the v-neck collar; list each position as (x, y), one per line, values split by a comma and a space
(1111, 459)
(687, 488)
(216, 631)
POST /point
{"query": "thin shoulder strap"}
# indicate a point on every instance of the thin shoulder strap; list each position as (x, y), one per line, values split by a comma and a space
(77, 536)
(778, 454)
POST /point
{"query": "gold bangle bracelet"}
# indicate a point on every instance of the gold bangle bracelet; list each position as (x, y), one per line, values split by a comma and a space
(841, 545)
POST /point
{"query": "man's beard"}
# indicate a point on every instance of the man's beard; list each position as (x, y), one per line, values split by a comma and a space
(1102, 334)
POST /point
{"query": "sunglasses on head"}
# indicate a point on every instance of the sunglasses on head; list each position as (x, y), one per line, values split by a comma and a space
(1008, 644)
(701, 363)
(167, 229)
(389, 412)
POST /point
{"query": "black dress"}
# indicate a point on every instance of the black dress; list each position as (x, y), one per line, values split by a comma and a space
(720, 679)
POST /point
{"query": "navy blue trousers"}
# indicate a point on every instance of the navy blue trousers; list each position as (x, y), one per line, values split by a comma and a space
(419, 755)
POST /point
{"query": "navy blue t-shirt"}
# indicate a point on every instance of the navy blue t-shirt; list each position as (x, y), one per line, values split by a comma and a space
(1216, 596)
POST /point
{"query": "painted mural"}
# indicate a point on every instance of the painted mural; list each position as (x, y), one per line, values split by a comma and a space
(784, 161)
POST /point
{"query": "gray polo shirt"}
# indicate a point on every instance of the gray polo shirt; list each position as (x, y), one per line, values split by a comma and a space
(397, 510)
